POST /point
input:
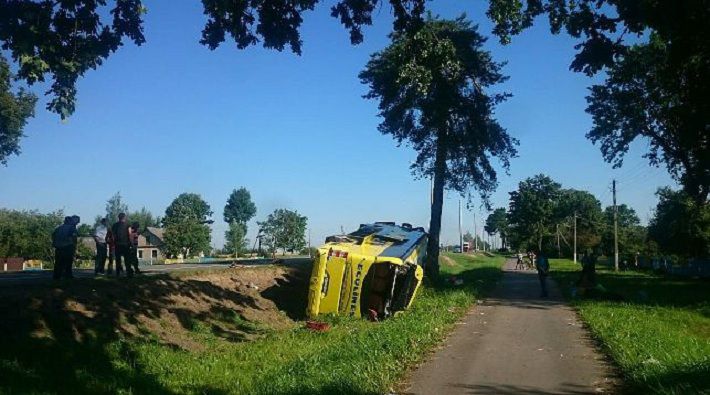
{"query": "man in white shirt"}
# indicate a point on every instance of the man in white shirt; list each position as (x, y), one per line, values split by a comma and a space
(101, 249)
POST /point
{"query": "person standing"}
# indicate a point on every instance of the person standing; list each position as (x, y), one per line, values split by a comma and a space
(543, 268)
(123, 245)
(530, 263)
(63, 239)
(111, 251)
(100, 233)
(133, 233)
(75, 219)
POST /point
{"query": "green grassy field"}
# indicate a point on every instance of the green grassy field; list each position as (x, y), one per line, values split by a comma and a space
(657, 330)
(355, 356)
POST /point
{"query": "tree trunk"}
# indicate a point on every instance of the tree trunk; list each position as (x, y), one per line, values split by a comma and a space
(432, 253)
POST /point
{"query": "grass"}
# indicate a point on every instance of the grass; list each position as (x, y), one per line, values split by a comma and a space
(355, 356)
(656, 329)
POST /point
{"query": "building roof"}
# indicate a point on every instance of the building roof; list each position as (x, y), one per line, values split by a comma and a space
(157, 232)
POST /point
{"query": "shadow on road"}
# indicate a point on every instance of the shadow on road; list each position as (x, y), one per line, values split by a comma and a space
(501, 389)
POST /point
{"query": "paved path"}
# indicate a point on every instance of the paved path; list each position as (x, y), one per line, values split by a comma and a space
(515, 343)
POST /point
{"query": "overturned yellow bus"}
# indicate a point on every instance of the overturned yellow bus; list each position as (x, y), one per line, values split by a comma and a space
(374, 271)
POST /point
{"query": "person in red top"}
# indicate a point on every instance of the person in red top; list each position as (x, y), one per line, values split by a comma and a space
(132, 258)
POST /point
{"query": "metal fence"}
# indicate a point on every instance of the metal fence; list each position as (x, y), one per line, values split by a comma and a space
(691, 268)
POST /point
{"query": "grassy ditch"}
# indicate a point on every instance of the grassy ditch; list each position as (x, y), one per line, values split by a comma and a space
(355, 356)
(656, 329)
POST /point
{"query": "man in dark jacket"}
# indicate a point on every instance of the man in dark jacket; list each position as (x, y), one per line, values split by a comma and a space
(543, 269)
(64, 241)
(123, 245)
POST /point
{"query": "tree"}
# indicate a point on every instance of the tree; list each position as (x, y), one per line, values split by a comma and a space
(239, 208)
(284, 229)
(144, 217)
(235, 236)
(656, 82)
(28, 234)
(531, 211)
(430, 86)
(186, 229)
(15, 109)
(680, 225)
(62, 40)
(84, 230)
(65, 39)
(497, 222)
(588, 211)
(114, 206)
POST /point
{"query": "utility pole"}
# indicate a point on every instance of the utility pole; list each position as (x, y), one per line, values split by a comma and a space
(557, 229)
(460, 234)
(616, 228)
(575, 237)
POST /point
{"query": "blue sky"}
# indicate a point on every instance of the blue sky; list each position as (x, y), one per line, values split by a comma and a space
(172, 116)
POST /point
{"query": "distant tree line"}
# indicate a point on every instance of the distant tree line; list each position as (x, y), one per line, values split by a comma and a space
(186, 227)
(542, 215)
(28, 234)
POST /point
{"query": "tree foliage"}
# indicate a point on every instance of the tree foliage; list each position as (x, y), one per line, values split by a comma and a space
(542, 215)
(531, 213)
(15, 109)
(284, 229)
(631, 235)
(64, 39)
(28, 234)
(647, 95)
(239, 208)
(497, 222)
(656, 55)
(84, 230)
(186, 230)
(144, 217)
(430, 86)
(588, 211)
(680, 225)
(277, 22)
(115, 206)
(235, 236)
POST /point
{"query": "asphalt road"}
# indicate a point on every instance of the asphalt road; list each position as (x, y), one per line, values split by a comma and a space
(45, 276)
(515, 343)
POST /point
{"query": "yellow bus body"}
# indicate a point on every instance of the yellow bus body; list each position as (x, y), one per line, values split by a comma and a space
(374, 271)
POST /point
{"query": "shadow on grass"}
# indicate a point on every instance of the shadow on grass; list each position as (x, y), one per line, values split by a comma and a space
(290, 293)
(632, 290)
(686, 380)
(73, 337)
(641, 289)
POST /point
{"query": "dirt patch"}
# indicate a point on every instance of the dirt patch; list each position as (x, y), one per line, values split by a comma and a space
(447, 261)
(234, 304)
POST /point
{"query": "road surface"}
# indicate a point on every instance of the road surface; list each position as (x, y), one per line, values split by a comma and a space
(44, 276)
(515, 343)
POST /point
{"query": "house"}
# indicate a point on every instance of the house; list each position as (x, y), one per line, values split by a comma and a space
(150, 244)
